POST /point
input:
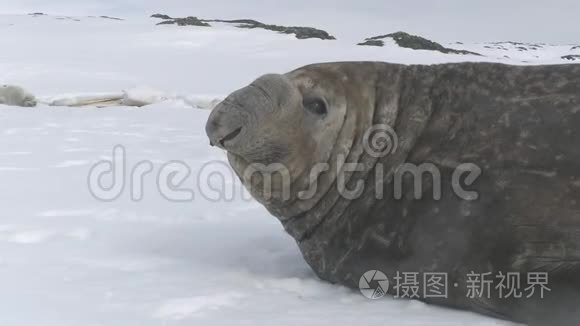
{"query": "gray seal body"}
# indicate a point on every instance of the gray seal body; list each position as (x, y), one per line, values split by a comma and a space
(518, 126)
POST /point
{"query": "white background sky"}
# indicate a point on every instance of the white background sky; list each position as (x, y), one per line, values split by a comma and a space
(556, 21)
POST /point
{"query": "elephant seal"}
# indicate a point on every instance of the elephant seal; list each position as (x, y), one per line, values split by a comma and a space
(515, 131)
(16, 96)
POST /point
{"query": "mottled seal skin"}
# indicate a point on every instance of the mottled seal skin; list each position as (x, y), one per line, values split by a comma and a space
(519, 124)
(16, 96)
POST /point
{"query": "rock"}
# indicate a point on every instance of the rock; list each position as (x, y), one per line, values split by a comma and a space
(372, 43)
(299, 31)
(577, 47)
(161, 16)
(518, 45)
(187, 21)
(109, 17)
(571, 57)
(68, 18)
(414, 42)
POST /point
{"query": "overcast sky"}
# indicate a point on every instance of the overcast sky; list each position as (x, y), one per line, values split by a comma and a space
(555, 21)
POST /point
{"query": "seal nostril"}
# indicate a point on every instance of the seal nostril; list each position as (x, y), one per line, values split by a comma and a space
(230, 136)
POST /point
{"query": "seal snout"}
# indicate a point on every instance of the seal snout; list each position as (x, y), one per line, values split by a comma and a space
(230, 136)
(233, 123)
(223, 127)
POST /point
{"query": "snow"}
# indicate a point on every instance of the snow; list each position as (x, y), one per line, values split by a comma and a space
(67, 258)
(81, 99)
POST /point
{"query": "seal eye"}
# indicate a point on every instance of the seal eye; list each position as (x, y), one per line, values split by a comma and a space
(315, 105)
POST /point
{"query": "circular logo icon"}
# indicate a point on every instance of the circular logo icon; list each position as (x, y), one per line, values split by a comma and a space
(373, 284)
(380, 140)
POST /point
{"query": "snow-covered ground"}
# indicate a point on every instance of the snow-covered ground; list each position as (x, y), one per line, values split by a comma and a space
(67, 258)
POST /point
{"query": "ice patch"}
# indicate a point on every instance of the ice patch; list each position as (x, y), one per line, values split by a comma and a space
(13, 168)
(75, 150)
(52, 125)
(72, 163)
(81, 234)
(300, 287)
(141, 96)
(137, 96)
(202, 102)
(28, 237)
(12, 131)
(182, 308)
(65, 213)
(15, 153)
(82, 99)
(125, 265)
(36, 236)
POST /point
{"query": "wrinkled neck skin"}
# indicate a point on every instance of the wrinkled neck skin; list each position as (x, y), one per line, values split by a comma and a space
(385, 94)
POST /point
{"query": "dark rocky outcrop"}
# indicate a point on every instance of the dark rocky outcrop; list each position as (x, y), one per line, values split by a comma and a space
(496, 47)
(414, 42)
(577, 47)
(68, 18)
(187, 21)
(571, 57)
(370, 42)
(300, 32)
(112, 18)
(161, 16)
(166, 22)
(505, 46)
